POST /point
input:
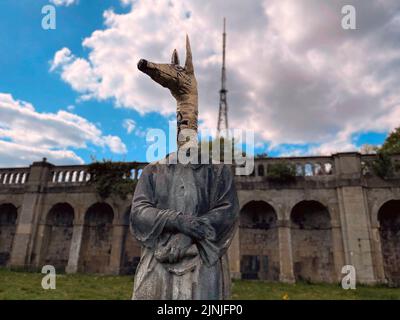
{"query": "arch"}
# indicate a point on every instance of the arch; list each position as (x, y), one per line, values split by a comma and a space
(97, 238)
(311, 236)
(131, 250)
(74, 176)
(328, 168)
(299, 170)
(260, 170)
(308, 170)
(25, 177)
(8, 226)
(389, 232)
(259, 247)
(57, 235)
(67, 176)
(318, 171)
(81, 176)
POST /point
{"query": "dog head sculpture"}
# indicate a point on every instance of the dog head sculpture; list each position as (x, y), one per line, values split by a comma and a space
(182, 84)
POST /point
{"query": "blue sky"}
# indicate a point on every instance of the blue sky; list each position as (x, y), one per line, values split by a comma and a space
(296, 105)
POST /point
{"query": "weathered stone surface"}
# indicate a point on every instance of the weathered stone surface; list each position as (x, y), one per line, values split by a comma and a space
(58, 235)
(97, 237)
(389, 217)
(312, 242)
(8, 226)
(372, 191)
(259, 245)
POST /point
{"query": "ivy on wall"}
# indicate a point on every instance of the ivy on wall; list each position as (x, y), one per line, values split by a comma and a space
(112, 178)
(281, 172)
(382, 165)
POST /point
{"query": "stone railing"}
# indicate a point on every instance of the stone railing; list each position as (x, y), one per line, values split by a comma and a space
(313, 167)
(14, 176)
(368, 159)
(80, 174)
(69, 174)
(309, 168)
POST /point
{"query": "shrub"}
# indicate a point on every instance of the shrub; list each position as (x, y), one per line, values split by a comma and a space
(382, 165)
(112, 178)
(281, 172)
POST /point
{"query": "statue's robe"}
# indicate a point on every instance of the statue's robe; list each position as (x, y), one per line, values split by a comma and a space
(164, 191)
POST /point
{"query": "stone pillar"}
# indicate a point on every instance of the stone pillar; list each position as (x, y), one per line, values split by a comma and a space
(337, 247)
(377, 254)
(75, 249)
(285, 252)
(354, 217)
(40, 245)
(234, 256)
(116, 248)
(24, 239)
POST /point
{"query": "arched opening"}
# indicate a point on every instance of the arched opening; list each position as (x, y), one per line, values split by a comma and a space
(131, 249)
(8, 226)
(311, 235)
(389, 219)
(97, 239)
(259, 248)
(261, 172)
(308, 170)
(58, 235)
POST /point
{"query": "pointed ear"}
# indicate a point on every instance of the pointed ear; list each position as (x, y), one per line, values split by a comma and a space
(175, 58)
(189, 63)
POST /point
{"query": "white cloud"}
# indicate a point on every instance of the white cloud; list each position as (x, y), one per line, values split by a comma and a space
(294, 75)
(27, 135)
(64, 2)
(129, 125)
(115, 144)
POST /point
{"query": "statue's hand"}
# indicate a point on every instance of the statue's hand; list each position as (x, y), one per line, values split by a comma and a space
(193, 227)
(175, 249)
(179, 247)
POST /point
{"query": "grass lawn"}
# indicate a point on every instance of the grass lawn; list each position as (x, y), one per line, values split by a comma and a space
(25, 285)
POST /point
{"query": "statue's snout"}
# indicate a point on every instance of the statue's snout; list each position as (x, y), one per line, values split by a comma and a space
(142, 64)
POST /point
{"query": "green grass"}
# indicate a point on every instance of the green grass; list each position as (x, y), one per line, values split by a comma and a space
(27, 285)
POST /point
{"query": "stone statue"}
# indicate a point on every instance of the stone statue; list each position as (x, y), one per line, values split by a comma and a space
(184, 215)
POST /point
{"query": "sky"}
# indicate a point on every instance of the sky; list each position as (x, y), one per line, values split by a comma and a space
(305, 85)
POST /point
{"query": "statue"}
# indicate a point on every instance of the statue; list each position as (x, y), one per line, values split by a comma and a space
(184, 215)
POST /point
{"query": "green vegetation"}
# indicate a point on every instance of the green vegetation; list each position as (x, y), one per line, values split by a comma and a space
(382, 166)
(112, 178)
(392, 143)
(24, 285)
(281, 172)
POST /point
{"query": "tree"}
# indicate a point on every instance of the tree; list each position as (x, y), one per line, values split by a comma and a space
(392, 143)
(382, 165)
